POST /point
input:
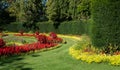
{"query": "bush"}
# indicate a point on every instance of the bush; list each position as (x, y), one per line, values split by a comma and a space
(105, 26)
(67, 27)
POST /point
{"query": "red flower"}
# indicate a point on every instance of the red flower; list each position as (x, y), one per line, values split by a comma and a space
(42, 39)
(53, 35)
(36, 33)
(21, 32)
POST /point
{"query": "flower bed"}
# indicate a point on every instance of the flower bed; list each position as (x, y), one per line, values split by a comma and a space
(43, 41)
(23, 49)
(86, 52)
(90, 57)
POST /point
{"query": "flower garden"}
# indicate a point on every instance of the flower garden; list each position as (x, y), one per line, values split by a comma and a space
(16, 46)
(42, 42)
(59, 34)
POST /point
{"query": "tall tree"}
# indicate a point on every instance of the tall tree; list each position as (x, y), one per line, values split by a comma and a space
(26, 9)
(4, 15)
(73, 8)
(64, 12)
(51, 10)
(16, 9)
(57, 10)
(83, 9)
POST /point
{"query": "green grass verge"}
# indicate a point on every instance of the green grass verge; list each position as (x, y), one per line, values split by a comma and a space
(56, 59)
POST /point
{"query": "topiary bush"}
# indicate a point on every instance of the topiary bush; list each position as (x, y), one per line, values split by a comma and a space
(105, 29)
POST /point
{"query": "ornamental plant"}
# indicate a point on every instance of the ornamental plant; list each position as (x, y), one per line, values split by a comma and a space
(21, 32)
(2, 42)
(37, 33)
(111, 49)
(42, 39)
(53, 35)
(90, 57)
(11, 50)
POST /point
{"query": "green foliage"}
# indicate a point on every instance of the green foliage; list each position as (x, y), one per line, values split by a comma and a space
(105, 26)
(72, 27)
(15, 27)
(51, 10)
(16, 9)
(110, 49)
(83, 9)
(61, 10)
(57, 10)
(84, 43)
(25, 11)
(68, 27)
(5, 18)
(73, 8)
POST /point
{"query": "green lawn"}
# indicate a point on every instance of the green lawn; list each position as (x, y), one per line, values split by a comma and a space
(56, 59)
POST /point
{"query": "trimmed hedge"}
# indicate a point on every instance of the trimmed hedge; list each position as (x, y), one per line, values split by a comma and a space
(106, 22)
(68, 27)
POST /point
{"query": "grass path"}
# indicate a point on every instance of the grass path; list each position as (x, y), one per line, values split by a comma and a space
(56, 59)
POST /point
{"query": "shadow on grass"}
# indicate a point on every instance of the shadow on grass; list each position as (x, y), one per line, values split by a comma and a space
(26, 69)
(13, 63)
(35, 55)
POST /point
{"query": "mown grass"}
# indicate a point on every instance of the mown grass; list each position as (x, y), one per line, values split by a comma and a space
(56, 59)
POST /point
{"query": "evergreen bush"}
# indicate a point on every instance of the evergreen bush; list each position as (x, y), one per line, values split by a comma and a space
(106, 21)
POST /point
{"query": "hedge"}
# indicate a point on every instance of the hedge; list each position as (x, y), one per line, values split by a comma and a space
(67, 27)
(106, 22)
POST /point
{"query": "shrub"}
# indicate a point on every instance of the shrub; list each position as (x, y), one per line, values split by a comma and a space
(67, 27)
(105, 26)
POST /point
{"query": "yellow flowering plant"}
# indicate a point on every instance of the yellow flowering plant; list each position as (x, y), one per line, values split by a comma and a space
(86, 52)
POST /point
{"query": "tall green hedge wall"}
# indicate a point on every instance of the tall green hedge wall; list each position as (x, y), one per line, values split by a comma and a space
(68, 27)
(106, 22)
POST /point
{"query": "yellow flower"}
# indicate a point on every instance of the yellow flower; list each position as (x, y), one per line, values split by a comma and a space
(88, 57)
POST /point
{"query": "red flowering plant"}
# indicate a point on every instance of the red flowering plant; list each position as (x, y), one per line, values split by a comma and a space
(59, 40)
(24, 48)
(37, 33)
(42, 39)
(53, 35)
(55, 38)
(21, 32)
(0, 32)
(2, 42)
(49, 40)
